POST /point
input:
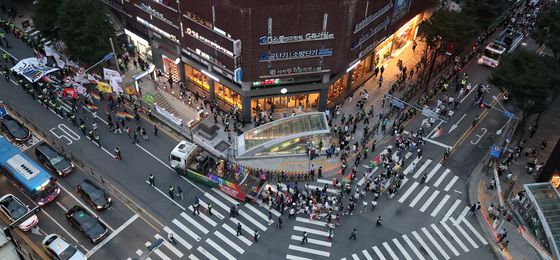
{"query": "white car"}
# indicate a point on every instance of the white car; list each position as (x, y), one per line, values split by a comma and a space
(14, 209)
(61, 250)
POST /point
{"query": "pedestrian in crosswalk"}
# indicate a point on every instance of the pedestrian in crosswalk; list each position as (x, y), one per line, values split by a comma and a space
(152, 180)
(238, 229)
(210, 209)
(256, 236)
(171, 192)
(179, 192)
(270, 221)
(329, 237)
(279, 223)
(353, 234)
(304, 238)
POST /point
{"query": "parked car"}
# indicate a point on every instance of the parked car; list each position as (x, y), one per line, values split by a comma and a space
(14, 129)
(59, 249)
(93, 194)
(54, 160)
(14, 209)
(87, 223)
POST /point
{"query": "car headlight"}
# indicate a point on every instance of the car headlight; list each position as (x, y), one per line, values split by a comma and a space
(60, 173)
(99, 207)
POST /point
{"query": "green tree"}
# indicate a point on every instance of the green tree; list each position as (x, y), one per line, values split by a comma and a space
(547, 30)
(84, 28)
(45, 18)
(485, 12)
(533, 81)
(449, 27)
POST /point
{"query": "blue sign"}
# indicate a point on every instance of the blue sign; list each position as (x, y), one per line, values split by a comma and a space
(108, 56)
(397, 103)
(496, 151)
(508, 114)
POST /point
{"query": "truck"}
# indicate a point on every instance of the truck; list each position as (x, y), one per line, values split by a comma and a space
(506, 42)
(182, 155)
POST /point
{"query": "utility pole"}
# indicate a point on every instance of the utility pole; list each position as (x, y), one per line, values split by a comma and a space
(114, 55)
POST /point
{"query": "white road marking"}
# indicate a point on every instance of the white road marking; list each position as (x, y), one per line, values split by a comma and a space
(158, 252)
(388, 248)
(459, 242)
(170, 246)
(435, 243)
(193, 257)
(169, 198)
(424, 245)
(367, 255)
(194, 223)
(257, 212)
(418, 196)
(229, 242)
(204, 217)
(401, 248)
(217, 201)
(442, 177)
(293, 257)
(178, 238)
(324, 181)
(462, 215)
(422, 168)
(409, 168)
(473, 230)
(86, 207)
(445, 240)
(309, 250)
(214, 212)
(462, 231)
(429, 201)
(451, 210)
(440, 205)
(186, 229)
(60, 226)
(312, 241)
(308, 221)
(251, 220)
(413, 247)
(243, 226)
(433, 172)
(233, 232)
(408, 192)
(206, 253)
(228, 198)
(220, 249)
(112, 235)
(379, 254)
(450, 184)
(311, 231)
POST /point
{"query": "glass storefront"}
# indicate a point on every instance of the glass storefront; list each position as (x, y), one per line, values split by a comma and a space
(170, 68)
(140, 45)
(197, 77)
(284, 103)
(361, 69)
(226, 94)
(337, 88)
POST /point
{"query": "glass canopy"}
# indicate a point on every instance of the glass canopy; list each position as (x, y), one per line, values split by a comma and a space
(546, 202)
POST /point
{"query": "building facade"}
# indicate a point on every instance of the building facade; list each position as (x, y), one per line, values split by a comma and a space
(282, 56)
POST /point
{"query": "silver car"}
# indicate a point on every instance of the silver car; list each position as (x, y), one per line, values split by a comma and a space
(62, 250)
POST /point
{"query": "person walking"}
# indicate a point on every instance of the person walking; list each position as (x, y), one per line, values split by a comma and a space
(304, 238)
(179, 192)
(270, 221)
(279, 224)
(329, 237)
(210, 209)
(353, 234)
(156, 130)
(118, 154)
(171, 192)
(144, 133)
(135, 137)
(256, 236)
(152, 180)
(196, 211)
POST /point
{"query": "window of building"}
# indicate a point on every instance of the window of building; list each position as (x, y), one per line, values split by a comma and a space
(337, 88)
(197, 77)
(361, 69)
(226, 94)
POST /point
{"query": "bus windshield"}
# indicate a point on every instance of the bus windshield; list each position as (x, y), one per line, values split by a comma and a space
(490, 54)
(45, 189)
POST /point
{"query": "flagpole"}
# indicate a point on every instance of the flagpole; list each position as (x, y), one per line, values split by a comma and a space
(102, 60)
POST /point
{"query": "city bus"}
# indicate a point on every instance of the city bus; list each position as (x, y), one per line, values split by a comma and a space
(506, 42)
(27, 175)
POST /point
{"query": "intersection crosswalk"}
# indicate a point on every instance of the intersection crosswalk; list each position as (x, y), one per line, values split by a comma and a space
(443, 240)
(317, 245)
(202, 236)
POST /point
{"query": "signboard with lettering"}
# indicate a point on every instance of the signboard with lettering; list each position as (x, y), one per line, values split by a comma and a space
(190, 32)
(296, 70)
(370, 18)
(373, 31)
(157, 30)
(266, 40)
(154, 13)
(292, 55)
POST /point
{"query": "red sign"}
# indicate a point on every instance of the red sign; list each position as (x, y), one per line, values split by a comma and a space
(234, 192)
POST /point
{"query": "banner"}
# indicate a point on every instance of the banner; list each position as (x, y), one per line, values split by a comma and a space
(111, 75)
(32, 69)
(49, 51)
(104, 87)
(169, 116)
(130, 91)
(59, 62)
(116, 86)
(233, 192)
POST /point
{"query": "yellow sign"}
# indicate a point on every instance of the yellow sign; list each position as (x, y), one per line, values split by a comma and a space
(104, 87)
(130, 91)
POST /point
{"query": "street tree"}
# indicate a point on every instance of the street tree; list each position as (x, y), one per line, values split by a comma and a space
(84, 29)
(532, 80)
(45, 18)
(547, 30)
(447, 27)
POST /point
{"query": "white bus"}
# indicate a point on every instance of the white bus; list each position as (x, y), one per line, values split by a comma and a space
(506, 42)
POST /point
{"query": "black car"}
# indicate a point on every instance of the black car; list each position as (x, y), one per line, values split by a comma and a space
(14, 129)
(93, 195)
(87, 223)
(52, 159)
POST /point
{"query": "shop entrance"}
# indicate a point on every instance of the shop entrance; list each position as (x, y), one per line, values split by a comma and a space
(286, 104)
(170, 68)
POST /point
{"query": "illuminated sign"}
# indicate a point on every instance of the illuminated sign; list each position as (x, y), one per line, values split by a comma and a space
(362, 24)
(153, 12)
(266, 82)
(292, 55)
(158, 30)
(265, 40)
(199, 20)
(297, 70)
(371, 33)
(208, 42)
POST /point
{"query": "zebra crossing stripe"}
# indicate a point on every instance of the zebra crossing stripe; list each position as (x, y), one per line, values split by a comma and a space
(257, 212)
(293, 257)
(309, 250)
(243, 226)
(401, 248)
(206, 253)
(204, 217)
(312, 241)
(178, 238)
(170, 246)
(413, 247)
(186, 229)
(324, 181)
(218, 202)
(435, 243)
(308, 221)
(214, 212)
(252, 220)
(451, 210)
(409, 168)
(433, 172)
(450, 184)
(418, 196)
(139, 252)
(220, 249)
(442, 177)
(388, 248)
(233, 232)
(429, 201)
(311, 231)
(445, 240)
(462, 215)
(473, 230)
(158, 252)
(33, 33)
(424, 245)
(440, 205)
(228, 198)
(355, 257)
(379, 254)
(229, 242)
(196, 224)
(424, 166)
(367, 255)
(462, 231)
(193, 257)
(408, 192)
(455, 237)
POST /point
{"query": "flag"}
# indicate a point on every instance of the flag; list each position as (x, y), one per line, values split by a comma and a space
(91, 106)
(71, 92)
(110, 74)
(376, 160)
(95, 95)
(130, 91)
(124, 114)
(104, 87)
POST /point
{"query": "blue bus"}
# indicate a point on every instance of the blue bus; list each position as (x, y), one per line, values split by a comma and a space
(26, 174)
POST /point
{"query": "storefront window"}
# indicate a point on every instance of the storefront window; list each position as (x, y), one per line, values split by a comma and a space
(170, 68)
(403, 36)
(286, 104)
(337, 88)
(197, 77)
(361, 69)
(226, 94)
